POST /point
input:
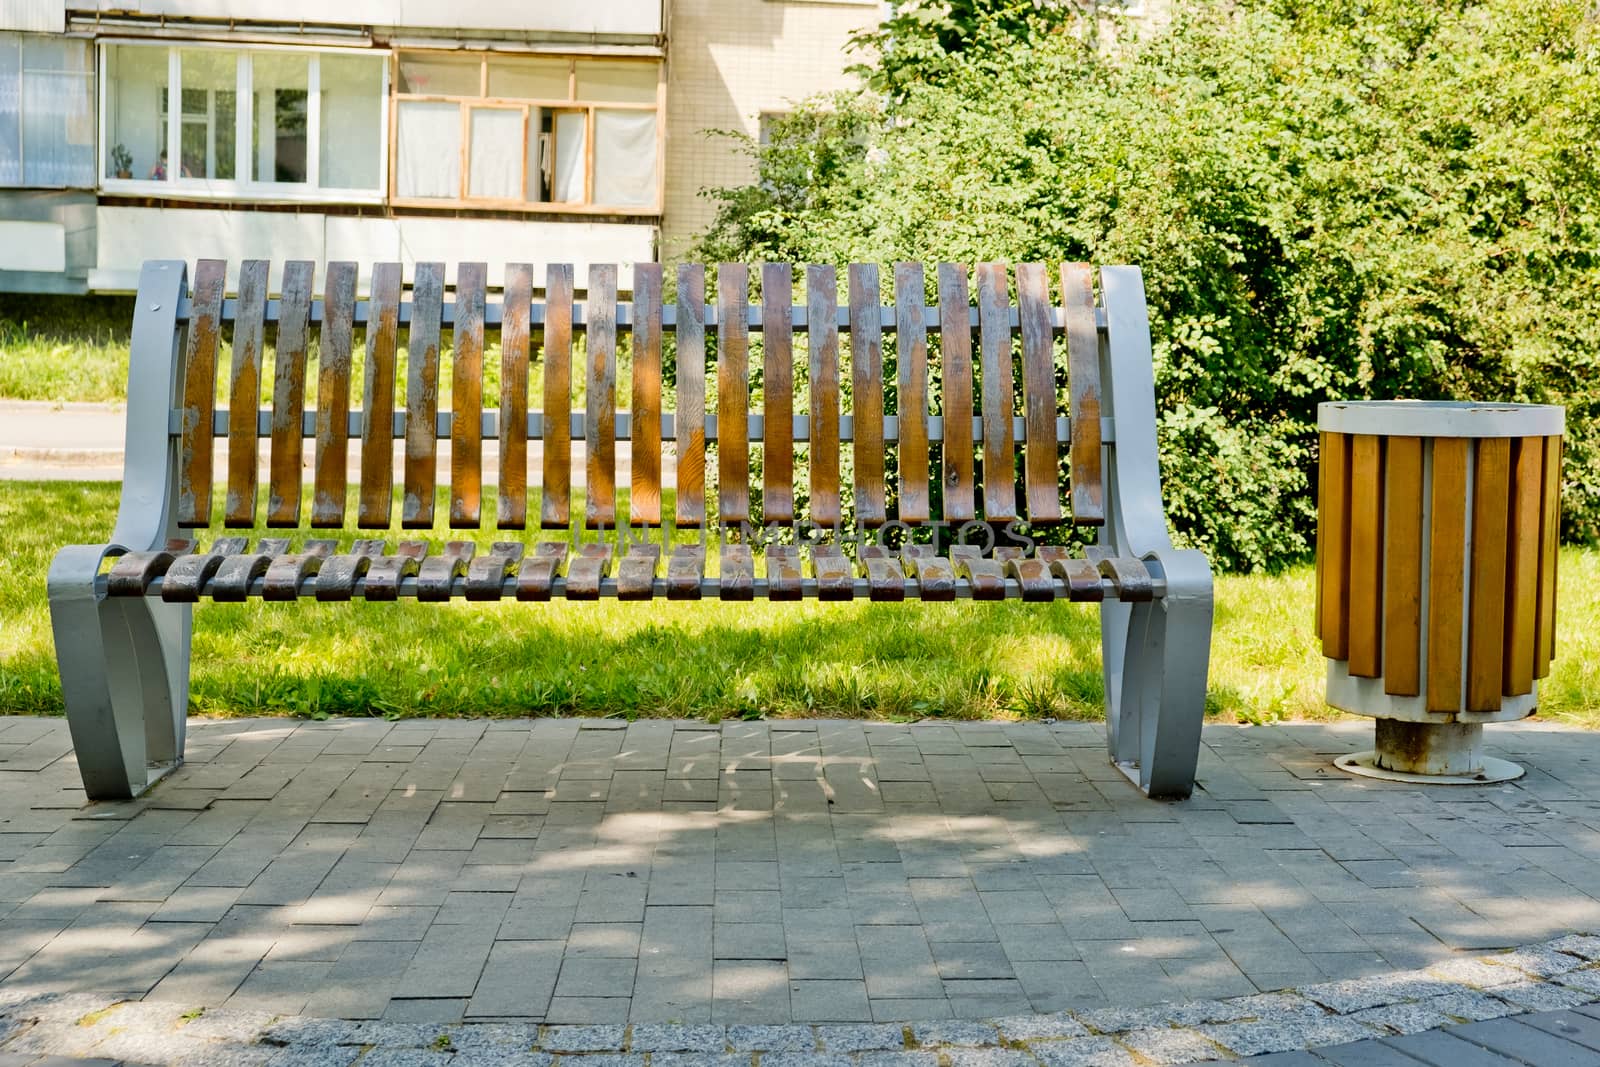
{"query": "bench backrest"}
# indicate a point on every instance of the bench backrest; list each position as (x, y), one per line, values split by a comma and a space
(995, 451)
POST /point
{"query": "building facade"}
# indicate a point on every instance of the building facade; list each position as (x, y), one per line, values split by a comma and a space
(370, 130)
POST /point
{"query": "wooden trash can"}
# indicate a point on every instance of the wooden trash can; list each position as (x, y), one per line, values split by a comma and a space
(1437, 529)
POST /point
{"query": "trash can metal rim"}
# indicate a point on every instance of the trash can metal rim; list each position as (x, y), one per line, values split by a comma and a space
(1440, 418)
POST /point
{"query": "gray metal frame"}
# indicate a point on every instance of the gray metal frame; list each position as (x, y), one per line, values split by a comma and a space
(124, 661)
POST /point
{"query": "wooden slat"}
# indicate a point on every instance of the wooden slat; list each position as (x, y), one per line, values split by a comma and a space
(289, 394)
(1447, 546)
(1038, 395)
(1083, 385)
(1549, 546)
(1334, 544)
(422, 397)
(822, 340)
(600, 400)
(377, 403)
(333, 397)
(644, 497)
(994, 339)
(245, 393)
(511, 509)
(466, 397)
(691, 382)
(555, 498)
(1491, 507)
(866, 379)
(911, 349)
(1522, 565)
(1402, 571)
(777, 346)
(200, 393)
(955, 355)
(733, 393)
(1366, 556)
(1321, 543)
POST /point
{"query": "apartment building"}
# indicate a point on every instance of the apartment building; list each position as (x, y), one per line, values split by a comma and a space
(450, 130)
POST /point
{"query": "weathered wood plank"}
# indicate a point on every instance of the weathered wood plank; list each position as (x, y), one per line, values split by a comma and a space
(330, 487)
(1549, 551)
(200, 393)
(777, 347)
(466, 397)
(1366, 556)
(1402, 553)
(1333, 546)
(511, 508)
(289, 394)
(955, 354)
(1447, 547)
(733, 393)
(995, 369)
(1491, 507)
(245, 393)
(644, 497)
(556, 491)
(377, 402)
(822, 339)
(1522, 565)
(866, 379)
(911, 350)
(422, 397)
(691, 381)
(600, 428)
(1038, 395)
(1083, 385)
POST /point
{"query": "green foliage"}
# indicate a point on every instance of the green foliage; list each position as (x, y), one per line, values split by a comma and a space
(1329, 201)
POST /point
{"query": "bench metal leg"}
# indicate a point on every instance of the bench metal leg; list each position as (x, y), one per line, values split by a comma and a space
(1156, 658)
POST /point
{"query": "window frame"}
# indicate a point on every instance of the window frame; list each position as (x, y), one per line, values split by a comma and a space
(241, 187)
(93, 77)
(528, 107)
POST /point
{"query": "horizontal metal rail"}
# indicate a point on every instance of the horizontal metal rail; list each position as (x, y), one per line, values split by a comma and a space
(755, 427)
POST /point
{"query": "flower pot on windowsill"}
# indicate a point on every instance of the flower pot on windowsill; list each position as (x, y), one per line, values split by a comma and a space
(124, 174)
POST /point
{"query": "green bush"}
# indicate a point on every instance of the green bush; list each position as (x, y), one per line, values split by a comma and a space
(1332, 200)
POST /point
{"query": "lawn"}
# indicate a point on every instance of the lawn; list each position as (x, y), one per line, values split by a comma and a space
(711, 660)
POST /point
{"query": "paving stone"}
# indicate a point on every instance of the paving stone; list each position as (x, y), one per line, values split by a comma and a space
(955, 1033)
(984, 1057)
(1167, 1045)
(396, 1034)
(760, 1038)
(1470, 1006)
(1585, 946)
(490, 1037)
(582, 1038)
(864, 1038)
(1403, 1018)
(1542, 996)
(1539, 961)
(489, 1058)
(1032, 1027)
(228, 1024)
(1587, 980)
(308, 1031)
(658, 1037)
(1475, 972)
(1255, 1038)
(700, 1059)
(1357, 994)
(227, 1055)
(607, 1059)
(315, 1056)
(806, 1059)
(1083, 1052)
(406, 1057)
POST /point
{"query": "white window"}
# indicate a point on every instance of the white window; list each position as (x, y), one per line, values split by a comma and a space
(258, 123)
(548, 132)
(46, 111)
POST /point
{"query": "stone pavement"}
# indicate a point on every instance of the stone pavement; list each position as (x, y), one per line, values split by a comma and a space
(595, 872)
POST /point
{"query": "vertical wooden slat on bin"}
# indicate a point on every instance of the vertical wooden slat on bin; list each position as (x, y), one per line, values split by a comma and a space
(955, 382)
(1366, 555)
(200, 393)
(1491, 507)
(733, 393)
(331, 486)
(1522, 565)
(1549, 547)
(422, 397)
(555, 497)
(866, 378)
(644, 496)
(600, 398)
(377, 401)
(1336, 537)
(911, 347)
(1402, 553)
(1321, 547)
(1083, 383)
(244, 396)
(511, 511)
(1038, 395)
(777, 437)
(466, 397)
(1447, 547)
(691, 417)
(822, 338)
(289, 394)
(994, 341)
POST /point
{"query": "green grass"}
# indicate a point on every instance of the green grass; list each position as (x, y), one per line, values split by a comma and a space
(710, 659)
(64, 348)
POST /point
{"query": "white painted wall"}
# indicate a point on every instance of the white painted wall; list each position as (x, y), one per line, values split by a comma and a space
(601, 17)
(33, 16)
(127, 236)
(39, 246)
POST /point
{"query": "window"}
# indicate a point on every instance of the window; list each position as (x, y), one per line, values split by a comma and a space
(46, 111)
(266, 123)
(559, 133)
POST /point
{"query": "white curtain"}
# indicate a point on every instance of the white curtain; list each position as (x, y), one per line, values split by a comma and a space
(495, 168)
(625, 158)
(571, 137)
(429, 152)
(352, 121)
(10, 110)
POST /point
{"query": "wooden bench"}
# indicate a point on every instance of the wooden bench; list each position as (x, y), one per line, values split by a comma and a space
(976, 474)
